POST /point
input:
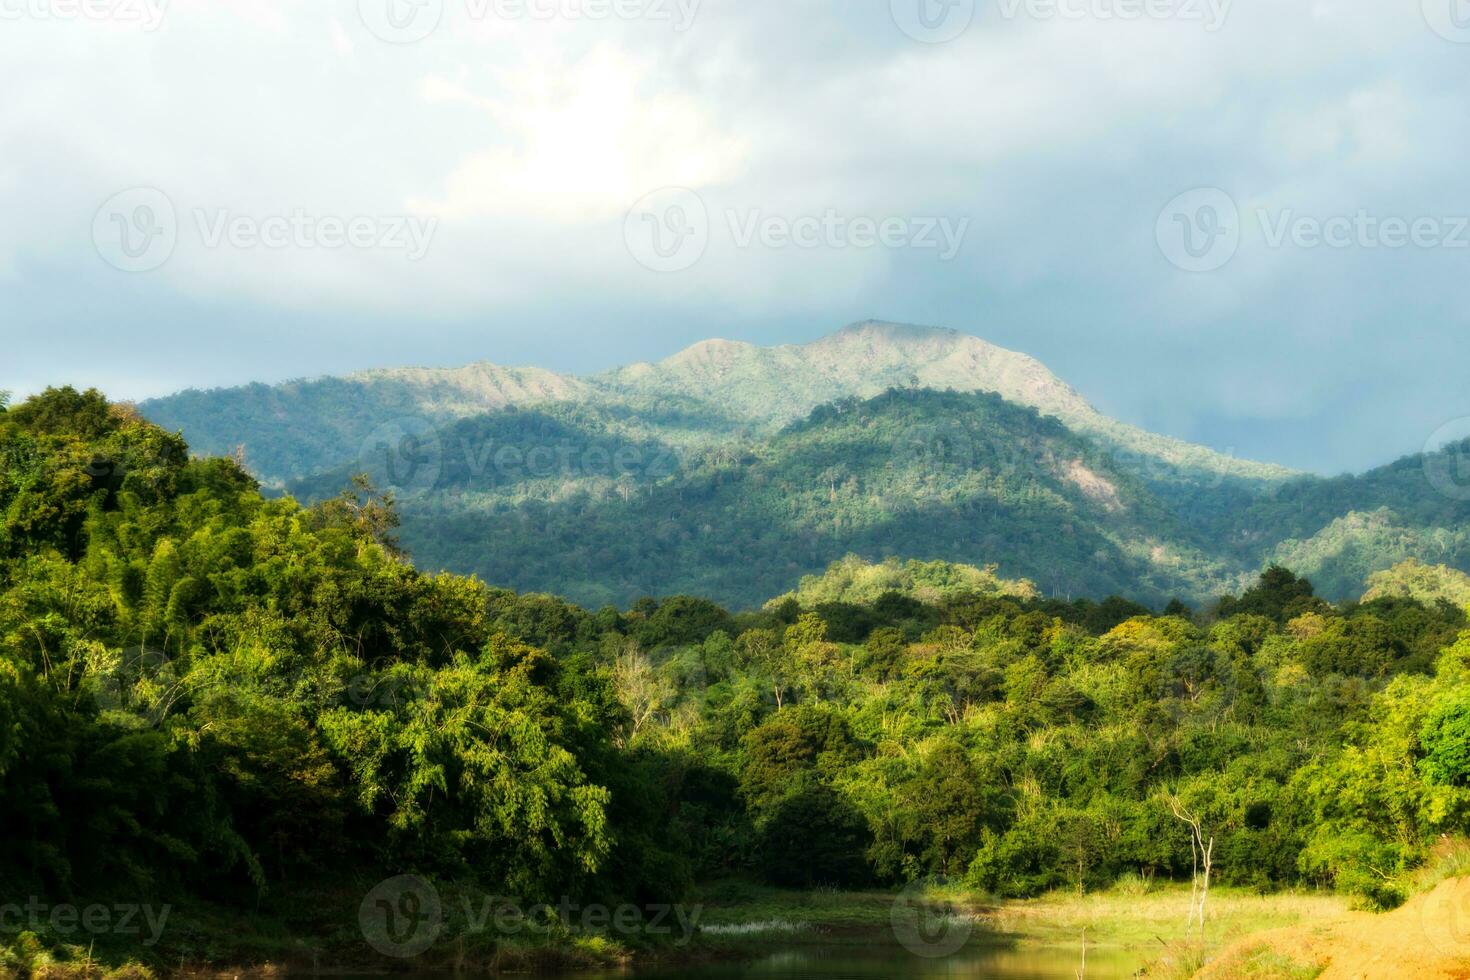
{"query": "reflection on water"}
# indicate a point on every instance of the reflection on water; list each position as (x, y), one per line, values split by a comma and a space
(864, 963)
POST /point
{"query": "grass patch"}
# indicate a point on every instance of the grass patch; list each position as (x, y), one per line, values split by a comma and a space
(1258, 962)
(1122, 918)
(1263, 963)
(1136, 914)
(765, 929)
(740, 903)
(1450, 858)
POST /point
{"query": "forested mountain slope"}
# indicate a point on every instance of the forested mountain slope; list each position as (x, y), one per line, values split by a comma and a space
(929, 474)
(733, 470)
(1339, 531)
(302, 427)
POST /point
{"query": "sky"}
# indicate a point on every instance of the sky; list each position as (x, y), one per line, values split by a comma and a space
(1240, 223)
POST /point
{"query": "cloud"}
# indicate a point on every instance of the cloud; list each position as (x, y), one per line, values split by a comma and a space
(576, 142)
(1057, 131)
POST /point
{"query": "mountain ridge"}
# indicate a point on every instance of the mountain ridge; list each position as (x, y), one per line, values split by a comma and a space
(914, 356)
(756, 388)
(881, 440)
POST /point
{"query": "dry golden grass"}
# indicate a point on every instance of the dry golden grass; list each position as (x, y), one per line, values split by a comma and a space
(1427, 939)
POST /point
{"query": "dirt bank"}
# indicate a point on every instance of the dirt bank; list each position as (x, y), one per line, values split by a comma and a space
(1427, 939)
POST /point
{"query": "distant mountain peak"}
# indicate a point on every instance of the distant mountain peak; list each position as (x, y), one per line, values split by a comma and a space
(928, 346)
(895, 331)
(777, 385)
(713, 350)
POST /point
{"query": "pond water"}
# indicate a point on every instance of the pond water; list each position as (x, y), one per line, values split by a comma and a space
(850, 962)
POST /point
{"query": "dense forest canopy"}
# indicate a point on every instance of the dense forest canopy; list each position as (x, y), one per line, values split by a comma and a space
(205, 691)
